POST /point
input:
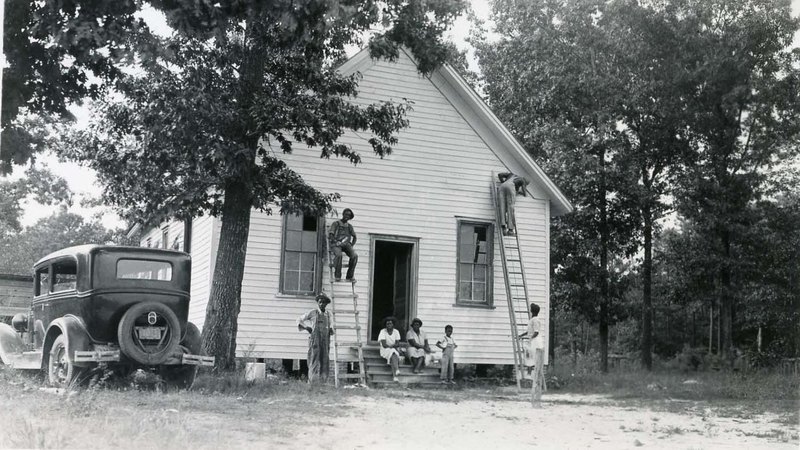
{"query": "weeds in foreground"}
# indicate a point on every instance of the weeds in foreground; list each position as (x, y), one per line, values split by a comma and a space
(665, 384)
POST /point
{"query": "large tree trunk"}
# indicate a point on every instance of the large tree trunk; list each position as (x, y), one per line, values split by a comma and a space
(222, 313)
(647, 293)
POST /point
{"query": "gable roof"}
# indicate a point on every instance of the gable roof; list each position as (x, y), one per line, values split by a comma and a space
(485, 124)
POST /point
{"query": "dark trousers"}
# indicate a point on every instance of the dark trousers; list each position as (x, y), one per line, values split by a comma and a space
(337, 260)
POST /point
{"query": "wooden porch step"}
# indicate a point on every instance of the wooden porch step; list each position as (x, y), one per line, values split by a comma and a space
(349, 376)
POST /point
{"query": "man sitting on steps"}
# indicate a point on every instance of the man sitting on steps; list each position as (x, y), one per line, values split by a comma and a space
(342, 237)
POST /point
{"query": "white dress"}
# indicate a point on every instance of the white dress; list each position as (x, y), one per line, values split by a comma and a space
(534, 326)
(390, 340)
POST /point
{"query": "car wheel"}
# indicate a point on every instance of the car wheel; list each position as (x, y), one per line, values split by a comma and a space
(60, 370)
(149, 333)
(182, 377)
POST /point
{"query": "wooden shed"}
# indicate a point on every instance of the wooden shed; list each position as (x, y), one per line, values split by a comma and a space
(16, 292)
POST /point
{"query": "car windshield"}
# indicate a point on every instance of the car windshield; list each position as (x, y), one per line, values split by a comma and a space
(144, 269)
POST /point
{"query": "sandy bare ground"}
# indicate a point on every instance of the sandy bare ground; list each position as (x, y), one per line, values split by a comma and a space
(564, 421)
(304, 418)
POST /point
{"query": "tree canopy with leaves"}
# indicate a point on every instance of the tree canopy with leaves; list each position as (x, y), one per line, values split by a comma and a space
(58, 54)
(745, 79)
(555, 79)
(194, 130)
(681, 101)
(38, 185)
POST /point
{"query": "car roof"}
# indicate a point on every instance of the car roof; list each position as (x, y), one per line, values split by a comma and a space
(87, 249)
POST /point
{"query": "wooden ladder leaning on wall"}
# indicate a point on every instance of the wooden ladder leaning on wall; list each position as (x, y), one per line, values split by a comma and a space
(516, 287)
(343, 290)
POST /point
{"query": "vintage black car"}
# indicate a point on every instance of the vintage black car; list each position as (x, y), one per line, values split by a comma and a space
(121, 308)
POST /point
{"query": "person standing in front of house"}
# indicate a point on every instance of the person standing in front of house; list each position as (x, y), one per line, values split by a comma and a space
(448, 346)
(317, 323)
(342, 238)
(510, 186)
(534, 336)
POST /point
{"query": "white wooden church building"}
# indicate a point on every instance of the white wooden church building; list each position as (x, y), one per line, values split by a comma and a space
(425, 219)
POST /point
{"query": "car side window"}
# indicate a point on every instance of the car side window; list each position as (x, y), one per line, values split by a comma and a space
(65, 275)
(144, 269)
(42, 281)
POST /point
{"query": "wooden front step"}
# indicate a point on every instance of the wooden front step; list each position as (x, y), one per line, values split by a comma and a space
(380, 374)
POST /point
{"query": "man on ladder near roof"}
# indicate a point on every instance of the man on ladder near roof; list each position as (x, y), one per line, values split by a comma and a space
(342, 238)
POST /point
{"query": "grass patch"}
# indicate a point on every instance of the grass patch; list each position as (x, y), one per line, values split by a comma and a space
(756, 386)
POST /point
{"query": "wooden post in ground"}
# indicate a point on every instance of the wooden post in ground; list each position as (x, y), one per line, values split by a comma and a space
(537, 383)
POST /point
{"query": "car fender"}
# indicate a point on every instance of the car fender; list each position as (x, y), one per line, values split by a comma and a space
(10, 343)
(77, 338)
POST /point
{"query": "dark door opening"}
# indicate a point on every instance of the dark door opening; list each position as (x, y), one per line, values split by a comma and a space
(391, 286)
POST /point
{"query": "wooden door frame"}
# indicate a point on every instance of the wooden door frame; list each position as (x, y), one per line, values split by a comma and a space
(413, 269)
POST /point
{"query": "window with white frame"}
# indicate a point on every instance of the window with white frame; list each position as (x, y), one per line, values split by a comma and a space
(474, 263)
(303, 237)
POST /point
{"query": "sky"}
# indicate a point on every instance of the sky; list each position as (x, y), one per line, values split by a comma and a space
(83, 182)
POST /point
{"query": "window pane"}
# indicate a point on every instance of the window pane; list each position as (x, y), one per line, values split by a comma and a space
(44, 281)
(465, 253)
(306, 281)
(309, 241)
(309, 223)
(307, 261)
(294, 222)
(465, 291)
(465, 272)
(291, 281)
(293, 240)
(466, 234)
(292, 261)
(479, 292)
(480, 273)
(64, 275)
(143, 269)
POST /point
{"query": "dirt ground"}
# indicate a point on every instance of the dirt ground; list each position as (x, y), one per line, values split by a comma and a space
(564, 421)
(302, 418)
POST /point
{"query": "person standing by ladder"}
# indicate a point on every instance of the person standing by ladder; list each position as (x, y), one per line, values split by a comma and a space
(342, 238)
(318, 324)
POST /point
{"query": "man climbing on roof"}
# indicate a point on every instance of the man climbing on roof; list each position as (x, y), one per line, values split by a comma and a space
(510, 186)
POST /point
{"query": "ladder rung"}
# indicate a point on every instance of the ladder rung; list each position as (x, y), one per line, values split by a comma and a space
(344, 311)
(347, 327)
(349, 344)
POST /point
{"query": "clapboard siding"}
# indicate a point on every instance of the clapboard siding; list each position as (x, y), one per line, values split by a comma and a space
(439, 172)
(201, 251)
(202, 267)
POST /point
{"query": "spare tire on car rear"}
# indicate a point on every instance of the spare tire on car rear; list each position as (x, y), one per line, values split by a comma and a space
(149, 333)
